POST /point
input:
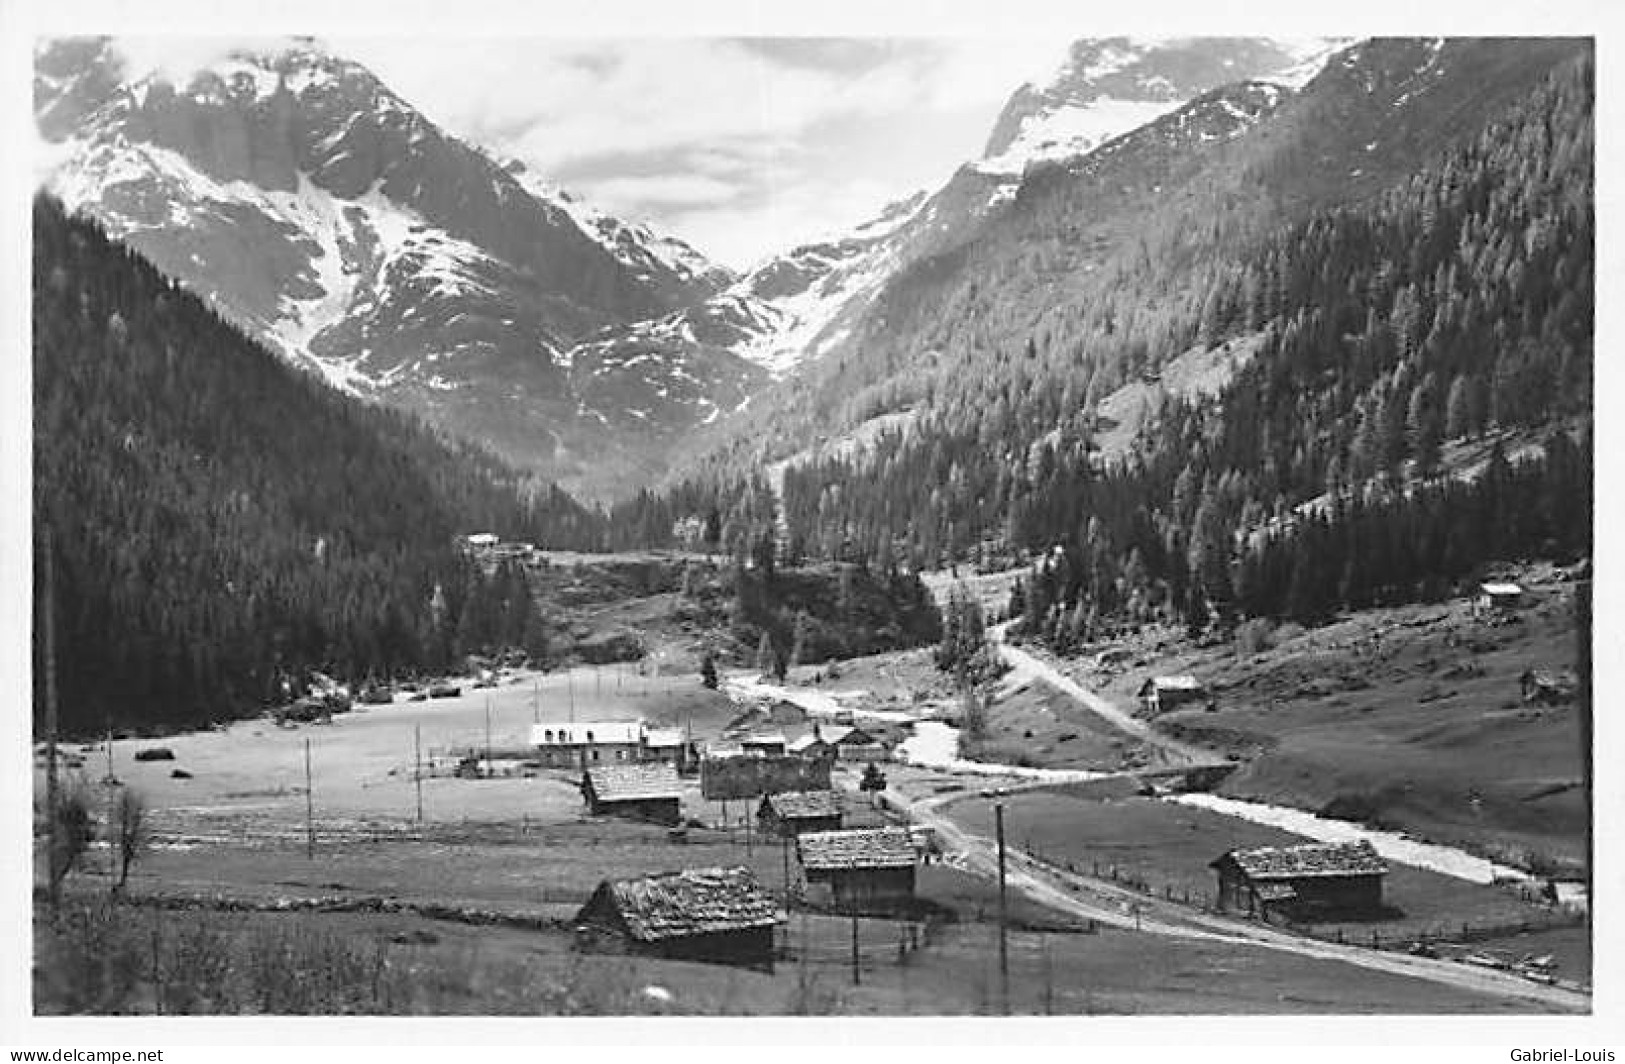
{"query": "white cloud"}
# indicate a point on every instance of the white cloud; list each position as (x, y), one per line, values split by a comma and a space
(795, 128)
(798, 135)
(176, 59)
(796, 214)
(556, 101)
(668, 190)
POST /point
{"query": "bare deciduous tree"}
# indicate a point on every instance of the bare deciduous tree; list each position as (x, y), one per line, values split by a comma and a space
(74, 829)
(129, 832)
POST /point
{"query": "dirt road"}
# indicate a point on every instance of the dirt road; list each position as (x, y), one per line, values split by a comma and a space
(1087, 898)
(1026, 666)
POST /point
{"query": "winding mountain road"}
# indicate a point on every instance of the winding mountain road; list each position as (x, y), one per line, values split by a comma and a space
(1025, 666)
(1087, 898)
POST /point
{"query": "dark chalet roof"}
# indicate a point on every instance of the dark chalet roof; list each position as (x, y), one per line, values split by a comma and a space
(696, 901)
(631, 783)
(804, 805)
(859, 848)
(1307, 861)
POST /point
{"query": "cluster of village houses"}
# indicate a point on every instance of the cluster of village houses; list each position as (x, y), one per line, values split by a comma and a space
(780, 766)
(491, 550)
(775, 758)
(726, 915)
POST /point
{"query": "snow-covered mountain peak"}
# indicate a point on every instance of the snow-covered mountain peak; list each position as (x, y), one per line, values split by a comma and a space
(1107, 87)
(320, 212)
(634, 243)
(1313, 57)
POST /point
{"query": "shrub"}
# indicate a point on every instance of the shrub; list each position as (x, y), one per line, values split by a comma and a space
(1359, 807)
(1253, 637)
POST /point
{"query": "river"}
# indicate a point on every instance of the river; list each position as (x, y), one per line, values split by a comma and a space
(935, 744)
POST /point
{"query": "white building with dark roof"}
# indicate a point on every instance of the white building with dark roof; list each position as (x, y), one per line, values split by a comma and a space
(583, 743)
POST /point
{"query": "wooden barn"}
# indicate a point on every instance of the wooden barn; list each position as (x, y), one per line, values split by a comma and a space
(749, 776)
(782, 713)
(1160, 694)
(768, 744)
(809, 746)
(670, 745)
(848, 743)
(867, 870)
(716, 915)
(1302, 882)
(793, 813)
(637, 792)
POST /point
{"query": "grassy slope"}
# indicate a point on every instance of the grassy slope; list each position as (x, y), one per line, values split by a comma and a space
(1038, 726)
(453, 968)
(1417, 708)
(1169, 846)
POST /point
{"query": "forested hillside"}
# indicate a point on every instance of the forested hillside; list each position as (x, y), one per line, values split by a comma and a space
(1401, 261)
(220, 521)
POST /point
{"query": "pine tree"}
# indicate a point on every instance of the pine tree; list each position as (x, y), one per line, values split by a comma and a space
(799, 648)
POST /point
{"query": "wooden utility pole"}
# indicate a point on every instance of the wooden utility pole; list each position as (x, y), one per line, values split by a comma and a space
(488, 772)
(784, 850)
(110, 829)
(48, 630)
(1049, 978)
(535, 702)
(856, 977)
(1582, 609)
(310, 809)
(806, 945)
(1004, 923)
(417, 766)
(570, 682)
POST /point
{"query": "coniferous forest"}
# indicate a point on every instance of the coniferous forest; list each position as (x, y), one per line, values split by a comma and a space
(1416, 404)
(219, 521)
(1408, 401)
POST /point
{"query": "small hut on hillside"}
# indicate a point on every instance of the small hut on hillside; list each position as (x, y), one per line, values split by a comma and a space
(867, 870)
(1161, 694)
(794, 813)
(1499, 597)
(1312, 881)
(636, 792)
(717, 915)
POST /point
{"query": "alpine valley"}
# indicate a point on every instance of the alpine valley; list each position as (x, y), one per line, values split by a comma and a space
(331, 220)
(454, 597)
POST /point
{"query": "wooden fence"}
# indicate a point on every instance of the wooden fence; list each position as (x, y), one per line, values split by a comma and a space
(1453, 932)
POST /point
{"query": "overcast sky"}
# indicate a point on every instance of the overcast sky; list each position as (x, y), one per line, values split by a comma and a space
(742, 146)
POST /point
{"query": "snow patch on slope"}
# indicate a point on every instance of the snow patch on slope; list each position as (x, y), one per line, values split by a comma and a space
(346, 240)
(1073, 130)
(1312, 59)
(634, 243)
(804, 319)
